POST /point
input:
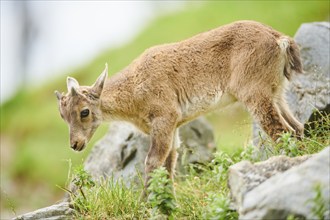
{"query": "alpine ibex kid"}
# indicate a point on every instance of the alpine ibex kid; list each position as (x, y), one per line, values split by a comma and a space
(171, 84)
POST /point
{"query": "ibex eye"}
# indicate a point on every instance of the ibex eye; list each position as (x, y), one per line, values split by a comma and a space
(84, 113)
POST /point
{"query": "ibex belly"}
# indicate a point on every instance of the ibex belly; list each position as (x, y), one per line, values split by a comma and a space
(203, 103)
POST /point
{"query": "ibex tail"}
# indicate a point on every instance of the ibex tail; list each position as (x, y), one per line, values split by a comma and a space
(292, 59)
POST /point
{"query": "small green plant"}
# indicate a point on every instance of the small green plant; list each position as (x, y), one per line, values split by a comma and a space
(247, 153)
(217, 200)
(295, 217)
(220, 164)
(318, 124)
(317, 133)
(82, 180)
(287, 145)
(8, 201)
(161, 194)
(319, 204)
(219, 208)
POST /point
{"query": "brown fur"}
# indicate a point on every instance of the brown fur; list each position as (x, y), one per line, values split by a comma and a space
(171, 84)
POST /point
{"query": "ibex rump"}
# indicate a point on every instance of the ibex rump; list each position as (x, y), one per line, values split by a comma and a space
(171, 84)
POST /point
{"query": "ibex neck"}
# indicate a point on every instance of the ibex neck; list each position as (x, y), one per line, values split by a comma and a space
(115, 97)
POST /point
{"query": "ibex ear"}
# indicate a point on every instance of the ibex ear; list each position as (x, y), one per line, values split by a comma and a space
(58, 95)
(99, 83)
(72, 85)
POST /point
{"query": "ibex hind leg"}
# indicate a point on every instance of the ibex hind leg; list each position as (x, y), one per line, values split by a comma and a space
(267, 114)
(290, 119)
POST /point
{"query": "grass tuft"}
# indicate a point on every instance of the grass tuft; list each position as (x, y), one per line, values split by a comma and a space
(161, 195)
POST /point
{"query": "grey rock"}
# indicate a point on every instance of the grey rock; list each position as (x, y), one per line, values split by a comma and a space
(197, 144)
(279, 193)
(122, 151)
(245, 176)
(310, 90)
(313, 39)
(55, 212)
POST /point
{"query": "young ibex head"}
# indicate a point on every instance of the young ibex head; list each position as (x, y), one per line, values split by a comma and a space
(80, 108)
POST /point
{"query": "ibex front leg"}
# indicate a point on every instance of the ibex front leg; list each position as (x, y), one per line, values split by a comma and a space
(162, 133)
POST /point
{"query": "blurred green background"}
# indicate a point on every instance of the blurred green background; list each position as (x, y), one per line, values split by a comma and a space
(35, 141)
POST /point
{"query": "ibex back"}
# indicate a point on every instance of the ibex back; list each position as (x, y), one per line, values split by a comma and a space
(171, 84)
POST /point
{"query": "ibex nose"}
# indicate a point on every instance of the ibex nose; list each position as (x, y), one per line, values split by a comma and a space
(78, 146)
(74, 145)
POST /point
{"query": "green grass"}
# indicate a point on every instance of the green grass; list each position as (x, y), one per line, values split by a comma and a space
(201, 194)
(35, 139)
(320, 205)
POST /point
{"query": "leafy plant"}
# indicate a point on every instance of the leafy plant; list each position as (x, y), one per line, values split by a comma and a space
(251, 153)
(295, 217)
(82, 180)
(161, 194)
(8, 201)
(219, 208)
(319, 204)
(287, 145)
(220, 164)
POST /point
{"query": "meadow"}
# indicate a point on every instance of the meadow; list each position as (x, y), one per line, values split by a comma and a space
(34, 139)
